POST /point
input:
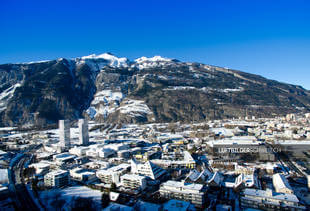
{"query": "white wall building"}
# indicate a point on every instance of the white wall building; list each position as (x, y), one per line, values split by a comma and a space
(56, 179)
(248, 180)
(117, 147)
(64, 133)
(133, 181)
(63, 157)
(188, 162)
(194, 193)
(94, 150)
(42, 167)
(83, 175)
(268, 200)
(113, 174)
(147, 169)
(79, 151)
(83, 132)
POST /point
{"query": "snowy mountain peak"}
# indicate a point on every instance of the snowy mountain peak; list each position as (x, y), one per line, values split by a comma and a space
(109, 58)
(156, 61)
(152, 59)
(106, 56)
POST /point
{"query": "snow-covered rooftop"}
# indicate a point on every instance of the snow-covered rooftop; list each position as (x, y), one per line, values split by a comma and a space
(280, 181)
(133, 177)
(183, 185)
(56, 172)
(274, 195)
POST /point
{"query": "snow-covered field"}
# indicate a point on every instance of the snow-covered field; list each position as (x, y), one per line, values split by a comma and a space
(134, 108)
(104, 103)
(68, 195)
(107, 96)
(6, 95)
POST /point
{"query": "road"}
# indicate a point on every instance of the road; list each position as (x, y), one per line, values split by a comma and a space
(21, 195)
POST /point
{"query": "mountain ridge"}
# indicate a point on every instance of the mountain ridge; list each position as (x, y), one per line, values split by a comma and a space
(171, 59)
(156, 89)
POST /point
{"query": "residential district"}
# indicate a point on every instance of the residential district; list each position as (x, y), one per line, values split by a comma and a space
(232, 164)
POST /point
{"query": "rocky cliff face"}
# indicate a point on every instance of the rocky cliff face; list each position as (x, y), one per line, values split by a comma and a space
(111, 89)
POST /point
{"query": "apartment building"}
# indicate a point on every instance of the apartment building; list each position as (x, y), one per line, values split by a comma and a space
(133, 181)
(188, 162)
(64, 133)
(83, 175)
(269, 200)
(56, 179)
(113, 174)
(194, 193)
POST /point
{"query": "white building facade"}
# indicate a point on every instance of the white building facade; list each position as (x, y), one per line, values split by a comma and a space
(194, 193)
(133, 181)
(64, 133)
(56, 179)
(83, 132)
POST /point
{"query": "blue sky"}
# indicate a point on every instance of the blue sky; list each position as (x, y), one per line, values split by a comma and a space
(266, 37)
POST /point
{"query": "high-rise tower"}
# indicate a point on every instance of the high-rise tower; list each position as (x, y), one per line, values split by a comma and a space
(83, 132)
(64, 133)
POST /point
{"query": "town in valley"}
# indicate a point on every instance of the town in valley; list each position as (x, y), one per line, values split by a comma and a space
(230, 164)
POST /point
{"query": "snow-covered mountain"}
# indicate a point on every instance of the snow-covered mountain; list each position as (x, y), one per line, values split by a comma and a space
(103, 60)
(108, 88)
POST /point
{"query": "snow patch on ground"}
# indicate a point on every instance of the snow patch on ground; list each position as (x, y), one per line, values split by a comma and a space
(7, 128)
(104, 103)
(6, 95)
(68, 194)
(134, 108)
(107, 96)
(240, 89)
(180, 88)
(204, 89)
(162, 77)
(91, 111)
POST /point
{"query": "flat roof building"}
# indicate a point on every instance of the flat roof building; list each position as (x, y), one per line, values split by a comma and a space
(56, 179)
(113, 174)
(269, 200)
(281, 184)
(194, 193)
(134, 181)
(83, 132)
(187, 163)
(64, 133)
(83, 175)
